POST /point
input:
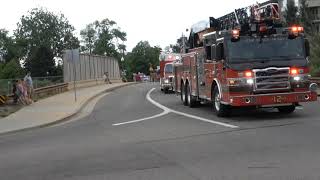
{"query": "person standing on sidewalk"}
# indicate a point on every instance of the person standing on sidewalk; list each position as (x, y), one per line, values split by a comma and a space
(29, 85)
(15, 91)
(21, 93)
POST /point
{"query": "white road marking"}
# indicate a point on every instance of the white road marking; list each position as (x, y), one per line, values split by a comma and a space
(204, 119)
(167, 110)
(143, 119)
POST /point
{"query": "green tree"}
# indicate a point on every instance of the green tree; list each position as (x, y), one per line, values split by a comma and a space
(41, 62)
(3, 43)
(44, 30)
(11, 70)
(141, 57)
(88, 36)
(315, 54)
(9, 49)
(305, 17)
(291, 13)
(175, 48)
(103, 38)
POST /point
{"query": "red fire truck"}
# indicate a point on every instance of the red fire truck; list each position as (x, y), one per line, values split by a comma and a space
(246, 58)
(167, 61)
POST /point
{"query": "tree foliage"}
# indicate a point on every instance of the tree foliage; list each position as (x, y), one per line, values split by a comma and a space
(305, 17)
(11, 70)
(141, 57)
(41, 62)
(9, 49)
(43, 30)
(88, 38)
(3, 43)
(103, 38)
(315, 54)
(291, 13)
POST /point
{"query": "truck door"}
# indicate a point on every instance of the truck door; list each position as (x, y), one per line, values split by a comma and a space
(201, 81)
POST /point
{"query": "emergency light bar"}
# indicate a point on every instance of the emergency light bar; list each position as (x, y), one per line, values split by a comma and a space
(294, 31)
(235, 35)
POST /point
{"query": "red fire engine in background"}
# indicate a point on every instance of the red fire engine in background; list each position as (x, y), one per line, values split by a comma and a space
(246, 58)
(167, 60)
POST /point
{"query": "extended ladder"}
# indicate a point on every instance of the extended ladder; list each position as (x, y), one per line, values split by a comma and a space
(243, 18)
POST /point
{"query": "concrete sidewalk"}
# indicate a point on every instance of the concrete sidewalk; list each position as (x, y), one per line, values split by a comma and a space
(53, 109)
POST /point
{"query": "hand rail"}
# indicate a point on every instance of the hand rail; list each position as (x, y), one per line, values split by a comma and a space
(48, 88)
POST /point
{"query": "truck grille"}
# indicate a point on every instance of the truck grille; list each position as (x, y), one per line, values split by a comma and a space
(270, 79)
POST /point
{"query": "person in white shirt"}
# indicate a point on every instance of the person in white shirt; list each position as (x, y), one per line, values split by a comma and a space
(29, 84)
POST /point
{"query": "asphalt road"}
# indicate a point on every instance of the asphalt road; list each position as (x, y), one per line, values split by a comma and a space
(118, 141)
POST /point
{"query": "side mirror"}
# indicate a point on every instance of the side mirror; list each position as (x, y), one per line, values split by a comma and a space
(307, 47)
(219, 52)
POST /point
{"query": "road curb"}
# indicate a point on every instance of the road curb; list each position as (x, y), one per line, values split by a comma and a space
(68, 117)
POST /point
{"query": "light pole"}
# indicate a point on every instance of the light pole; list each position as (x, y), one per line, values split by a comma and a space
(183, 41)
(122, 63)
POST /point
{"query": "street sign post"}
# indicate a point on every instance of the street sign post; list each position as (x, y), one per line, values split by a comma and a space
(73, 56)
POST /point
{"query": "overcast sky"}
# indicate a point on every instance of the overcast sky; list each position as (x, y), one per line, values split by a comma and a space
(159, 22)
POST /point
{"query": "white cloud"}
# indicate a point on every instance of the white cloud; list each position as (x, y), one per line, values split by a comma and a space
(159, 22)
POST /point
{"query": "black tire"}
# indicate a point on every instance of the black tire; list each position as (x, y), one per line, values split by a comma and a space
(190, 99)
(181, 89)
(220, 109)
(166, 90)
(183, 95)
(287, 109)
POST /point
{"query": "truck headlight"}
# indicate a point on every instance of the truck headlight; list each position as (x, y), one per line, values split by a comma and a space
(250, 81)
(240, 81)
(297, 78)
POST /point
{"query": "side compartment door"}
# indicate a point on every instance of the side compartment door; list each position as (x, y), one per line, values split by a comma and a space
(201, 79)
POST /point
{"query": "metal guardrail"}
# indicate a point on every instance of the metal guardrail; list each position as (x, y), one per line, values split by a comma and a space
(43, 91)
(50, 90)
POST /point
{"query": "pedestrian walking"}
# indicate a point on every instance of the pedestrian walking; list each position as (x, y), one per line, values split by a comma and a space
(106, 78)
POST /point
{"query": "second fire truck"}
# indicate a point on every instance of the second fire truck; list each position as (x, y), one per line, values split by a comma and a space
(246, 58)
(167, 78)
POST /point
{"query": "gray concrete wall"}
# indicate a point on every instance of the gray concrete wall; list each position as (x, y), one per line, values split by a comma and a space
(90, 67)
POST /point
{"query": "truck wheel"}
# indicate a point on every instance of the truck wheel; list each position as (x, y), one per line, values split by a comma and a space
(287, 109)
(183, 95)
(221, 110)
(191, 99)
(166, 90)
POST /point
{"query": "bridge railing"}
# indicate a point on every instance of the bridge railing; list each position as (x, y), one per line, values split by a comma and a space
(6, 85)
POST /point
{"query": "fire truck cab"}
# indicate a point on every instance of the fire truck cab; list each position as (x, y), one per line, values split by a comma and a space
(258, 64)
(167, 78)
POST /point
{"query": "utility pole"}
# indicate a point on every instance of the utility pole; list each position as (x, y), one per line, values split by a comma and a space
(183, 41)
(89, 57)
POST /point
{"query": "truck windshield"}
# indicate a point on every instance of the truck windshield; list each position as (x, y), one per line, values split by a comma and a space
(267, 48)
(168, 68)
